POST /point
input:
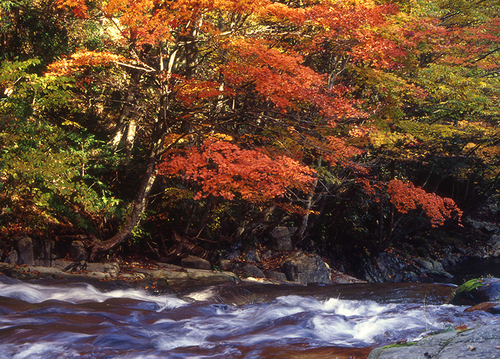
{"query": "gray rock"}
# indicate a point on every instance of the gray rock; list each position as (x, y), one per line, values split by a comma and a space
(477, 343)
(276, 276)
(494, 242)
(429, 264)
(281, 238)
(25, 251)
(249, 270)
(478, 291)
(306, 268)
(112, 268)
(195, 262)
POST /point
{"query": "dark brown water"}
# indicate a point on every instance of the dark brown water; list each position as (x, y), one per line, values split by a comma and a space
(49, 319)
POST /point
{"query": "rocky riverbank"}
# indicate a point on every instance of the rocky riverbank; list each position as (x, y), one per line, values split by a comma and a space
(479, 343)
(164, 277)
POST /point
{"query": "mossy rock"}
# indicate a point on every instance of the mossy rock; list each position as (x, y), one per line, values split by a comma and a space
(477, 291)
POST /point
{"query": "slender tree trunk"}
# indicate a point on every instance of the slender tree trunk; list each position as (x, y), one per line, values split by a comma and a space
(129, 140)
(128, 112)
(304, 221)
(141, 201)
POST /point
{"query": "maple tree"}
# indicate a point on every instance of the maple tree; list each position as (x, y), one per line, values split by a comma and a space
(196, 67)
(287, 109)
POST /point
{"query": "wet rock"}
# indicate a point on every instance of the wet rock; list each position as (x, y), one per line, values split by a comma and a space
(249, 270)
(489, 307)
(281, 238)
(306, 268)
(342, 278)
(477, 291)
(77, 251)
(388, 267)
(25, 251)
(195, 262)
(429, 264)
(477, 343)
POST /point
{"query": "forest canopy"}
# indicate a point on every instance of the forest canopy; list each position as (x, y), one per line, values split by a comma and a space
(138, 122)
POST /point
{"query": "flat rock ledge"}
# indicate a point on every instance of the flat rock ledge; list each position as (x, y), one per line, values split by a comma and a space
(164, 275)
(157, 277)
(479, 343)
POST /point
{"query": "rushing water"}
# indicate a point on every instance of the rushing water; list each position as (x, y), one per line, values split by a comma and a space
(45, 319)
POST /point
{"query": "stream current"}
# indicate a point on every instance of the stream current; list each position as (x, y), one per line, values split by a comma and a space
(65, 319)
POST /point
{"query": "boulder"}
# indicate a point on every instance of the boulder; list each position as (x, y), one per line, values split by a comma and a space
(477, 291)
(479, 343)
(25, 251)
(195, 262)
(429, 264)
(249, 270)
(276, 276)
(306, 268)
(388, 267)
(434, 268)
(489, 307)
(494, 242)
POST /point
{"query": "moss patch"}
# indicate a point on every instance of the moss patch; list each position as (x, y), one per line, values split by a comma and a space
(399, 345)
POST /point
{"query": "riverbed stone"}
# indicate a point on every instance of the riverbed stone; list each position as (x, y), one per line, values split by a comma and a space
(478, 291)
(306, 268)
(195, 262)
(479, 343)
(276, 276)
(489, 307)
(250, 270)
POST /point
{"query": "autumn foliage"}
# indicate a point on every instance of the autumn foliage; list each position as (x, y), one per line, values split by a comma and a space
(222, 169)
(406, 197)
(313, 105)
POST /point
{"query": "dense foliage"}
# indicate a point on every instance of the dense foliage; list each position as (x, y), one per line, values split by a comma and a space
(142, 122)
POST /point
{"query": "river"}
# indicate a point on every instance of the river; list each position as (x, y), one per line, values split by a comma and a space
(66, 319)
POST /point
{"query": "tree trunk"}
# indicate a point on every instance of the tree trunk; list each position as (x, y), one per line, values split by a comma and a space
(304, 221)
(129, 112)
(141, 201)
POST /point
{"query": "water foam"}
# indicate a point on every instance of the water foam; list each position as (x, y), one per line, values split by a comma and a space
(81, 293)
